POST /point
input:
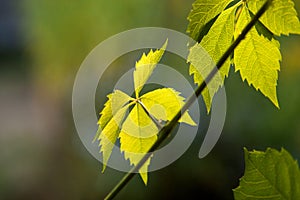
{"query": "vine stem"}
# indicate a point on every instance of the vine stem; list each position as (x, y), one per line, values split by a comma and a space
(166, 130)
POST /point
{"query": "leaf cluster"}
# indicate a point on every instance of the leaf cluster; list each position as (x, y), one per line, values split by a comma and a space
(214, 24)
(257, 58)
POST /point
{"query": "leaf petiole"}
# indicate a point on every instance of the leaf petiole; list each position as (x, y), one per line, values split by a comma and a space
(154, 120)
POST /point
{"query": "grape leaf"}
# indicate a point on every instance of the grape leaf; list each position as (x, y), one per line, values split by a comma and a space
(109, 123)
(216, 42)
(163, 102)
(144, 68)
(137, 136)
(137, 131)
(269, 175)
(116, 100)
(280, 18)
(202, 12)
(257, 59)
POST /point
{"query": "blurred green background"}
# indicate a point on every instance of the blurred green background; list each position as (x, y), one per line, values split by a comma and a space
(42, 44)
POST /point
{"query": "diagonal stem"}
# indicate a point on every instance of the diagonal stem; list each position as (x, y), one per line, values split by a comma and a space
(165, 131)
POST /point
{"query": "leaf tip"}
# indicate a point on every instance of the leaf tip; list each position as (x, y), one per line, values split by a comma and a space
(97, 135)
(144, 177)
(276, 103)
(165, 45)
(103, 168)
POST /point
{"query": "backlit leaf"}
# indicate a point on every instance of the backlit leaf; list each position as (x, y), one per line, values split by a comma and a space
(164, 103)
(110, 121)
(202, 12)
(137, 136)
(280, 18)
(145, 66)
(138, 130)
(215, 43)
(257, 59)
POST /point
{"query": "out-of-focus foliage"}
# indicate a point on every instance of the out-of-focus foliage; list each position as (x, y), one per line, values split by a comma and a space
(62, 33)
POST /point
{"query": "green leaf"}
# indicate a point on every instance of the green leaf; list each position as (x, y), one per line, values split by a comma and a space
(164, 103)
(269, 175)
(215, 43)
(202, 12)
(116, 100)
(257, 59)
(145, 66)
(280, 18)
(138, 132)
(110, 122)
(137, 136)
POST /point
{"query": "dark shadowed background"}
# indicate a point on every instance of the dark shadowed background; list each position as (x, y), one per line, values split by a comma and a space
(42, 44)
